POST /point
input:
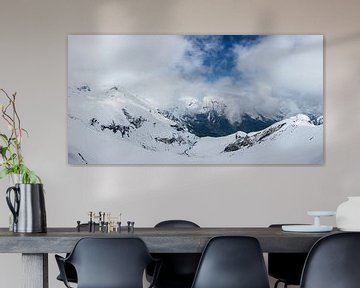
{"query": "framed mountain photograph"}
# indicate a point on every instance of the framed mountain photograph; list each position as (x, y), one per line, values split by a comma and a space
(195, 99)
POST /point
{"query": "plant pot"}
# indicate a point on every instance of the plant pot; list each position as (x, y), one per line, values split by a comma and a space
(348, 214)
(27, 207)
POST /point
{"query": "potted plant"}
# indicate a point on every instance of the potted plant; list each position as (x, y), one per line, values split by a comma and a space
(26, 197)
(11, 158)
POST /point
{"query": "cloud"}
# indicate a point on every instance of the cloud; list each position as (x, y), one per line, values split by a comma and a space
(284, 69)
(276, 74)
(105, 59)
(155, 67)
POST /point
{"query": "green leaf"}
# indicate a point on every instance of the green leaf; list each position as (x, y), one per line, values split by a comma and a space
(4, 173)
(27, 133)
(3, 151)
(33, 178)
(4, 137)
(28, 176)
(13, 156)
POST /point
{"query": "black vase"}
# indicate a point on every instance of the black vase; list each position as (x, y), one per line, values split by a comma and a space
(28, 208)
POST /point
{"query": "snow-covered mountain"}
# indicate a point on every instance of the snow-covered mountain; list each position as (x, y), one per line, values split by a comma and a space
(110, 125)
(211, 119)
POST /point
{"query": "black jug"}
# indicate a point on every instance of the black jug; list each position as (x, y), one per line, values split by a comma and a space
(28, 208)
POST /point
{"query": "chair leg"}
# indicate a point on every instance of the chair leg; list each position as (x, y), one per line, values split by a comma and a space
(278, 282)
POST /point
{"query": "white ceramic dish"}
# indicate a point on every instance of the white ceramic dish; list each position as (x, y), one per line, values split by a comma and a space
(321, 213)
(306, 228)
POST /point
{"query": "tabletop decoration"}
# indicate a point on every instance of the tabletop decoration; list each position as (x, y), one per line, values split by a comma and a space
(348, 214)
(315, 227)
(25, 197)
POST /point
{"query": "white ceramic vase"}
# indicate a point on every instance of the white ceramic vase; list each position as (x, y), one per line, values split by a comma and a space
(348, 214)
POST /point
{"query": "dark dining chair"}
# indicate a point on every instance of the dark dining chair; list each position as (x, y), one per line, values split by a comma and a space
(286, 267)
(333, 262)
(108, 263)
(232, 262)
(70, 271)
(178, 269)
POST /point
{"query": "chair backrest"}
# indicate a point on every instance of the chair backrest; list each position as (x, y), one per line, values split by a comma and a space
(232, 262)
(176, 224)
(110, 262)
(178, 269)
(333, 262)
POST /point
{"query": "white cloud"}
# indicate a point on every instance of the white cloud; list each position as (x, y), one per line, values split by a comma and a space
(122, 58)
(288, 69)
(145, 64)
(279, 72)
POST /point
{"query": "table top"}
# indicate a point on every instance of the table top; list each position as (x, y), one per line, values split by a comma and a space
(158, 240)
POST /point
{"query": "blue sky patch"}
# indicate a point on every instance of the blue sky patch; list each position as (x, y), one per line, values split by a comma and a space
(217, 53)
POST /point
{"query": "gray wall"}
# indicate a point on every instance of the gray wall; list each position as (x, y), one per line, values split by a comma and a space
(33, 62)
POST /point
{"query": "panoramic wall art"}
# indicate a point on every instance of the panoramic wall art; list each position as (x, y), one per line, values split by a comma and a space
(195, 99)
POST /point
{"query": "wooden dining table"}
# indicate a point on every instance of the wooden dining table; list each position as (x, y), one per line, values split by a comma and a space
(35, 247)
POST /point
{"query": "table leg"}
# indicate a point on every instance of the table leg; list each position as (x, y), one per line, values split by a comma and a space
(35, 270)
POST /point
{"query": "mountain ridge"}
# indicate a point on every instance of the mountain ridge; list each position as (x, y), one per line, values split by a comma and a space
(124, 128)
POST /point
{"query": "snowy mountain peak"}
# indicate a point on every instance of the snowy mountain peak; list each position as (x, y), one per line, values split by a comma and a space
(111, 125)
(269, 134)
(319, 120)
(300, 118)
